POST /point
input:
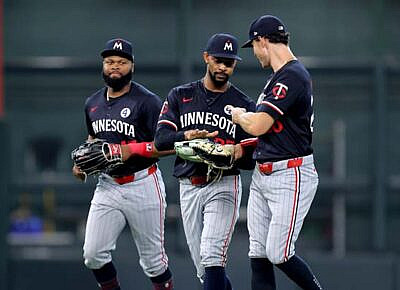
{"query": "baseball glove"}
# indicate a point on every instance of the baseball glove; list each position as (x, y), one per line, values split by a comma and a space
(94, 156)
(203, 150)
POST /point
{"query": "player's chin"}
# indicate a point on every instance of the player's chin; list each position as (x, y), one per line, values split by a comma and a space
(264, 64)
(221, 77)
(115, 76)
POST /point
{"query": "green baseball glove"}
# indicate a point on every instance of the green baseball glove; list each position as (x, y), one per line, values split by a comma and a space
(203, 150)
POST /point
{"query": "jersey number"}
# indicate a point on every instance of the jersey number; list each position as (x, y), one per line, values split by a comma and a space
(222, 141)
(277, 127)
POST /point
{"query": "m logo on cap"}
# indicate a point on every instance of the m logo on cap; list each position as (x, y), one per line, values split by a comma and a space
(228, 46)
(117, 45)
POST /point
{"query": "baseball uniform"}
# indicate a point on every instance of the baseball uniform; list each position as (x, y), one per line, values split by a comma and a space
(209, 212)
(141, 203)
(285, 180)
(132, 193)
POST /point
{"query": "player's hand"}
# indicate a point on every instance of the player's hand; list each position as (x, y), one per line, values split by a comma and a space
(236, 112)
(238, 151)
(79, 173)
(196, 133)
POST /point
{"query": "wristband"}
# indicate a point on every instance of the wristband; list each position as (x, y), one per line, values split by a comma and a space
(145, 149)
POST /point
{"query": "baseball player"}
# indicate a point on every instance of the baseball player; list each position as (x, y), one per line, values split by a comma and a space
(125, 112)
(210, 208)
(285, 179)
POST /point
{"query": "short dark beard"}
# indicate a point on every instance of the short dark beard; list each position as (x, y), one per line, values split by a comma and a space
(119, 83)
(218, 84)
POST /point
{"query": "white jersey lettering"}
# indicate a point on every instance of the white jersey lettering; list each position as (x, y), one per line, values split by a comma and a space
(199, 117)
(108, 125)
(191, 118)
(215, 120)
(113, 125)
(210, 119)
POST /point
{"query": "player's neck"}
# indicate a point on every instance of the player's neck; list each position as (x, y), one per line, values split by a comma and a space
(111, 94)
(280, 56)
(209, 85)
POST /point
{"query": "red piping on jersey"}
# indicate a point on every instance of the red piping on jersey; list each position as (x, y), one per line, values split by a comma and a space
(224, 248)
(168, 123)
(272, 106)
(294, 213)
(252, 142)
(163, 258)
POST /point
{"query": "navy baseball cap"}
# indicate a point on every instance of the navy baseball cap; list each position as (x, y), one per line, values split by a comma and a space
(264, 26)
(119, 47)
(223, 45)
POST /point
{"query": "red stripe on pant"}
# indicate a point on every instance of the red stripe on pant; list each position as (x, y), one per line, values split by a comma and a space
(156, 181)
(294, 212)
(235, 192)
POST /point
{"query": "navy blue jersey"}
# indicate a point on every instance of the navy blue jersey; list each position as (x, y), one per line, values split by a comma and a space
(287, 97)
(131, 117)
(192, 106)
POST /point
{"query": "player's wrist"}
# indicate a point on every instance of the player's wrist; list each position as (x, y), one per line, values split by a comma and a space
(144, 149)
(179, 136)
(186, 135)
(238, 151)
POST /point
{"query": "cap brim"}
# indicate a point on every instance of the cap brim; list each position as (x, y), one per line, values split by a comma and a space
(111, 52)
(248, 43)
(225, 55)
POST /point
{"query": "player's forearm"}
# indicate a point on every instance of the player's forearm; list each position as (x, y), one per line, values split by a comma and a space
(165, 138)
(254, 124)
(163, 153)
(247, 122)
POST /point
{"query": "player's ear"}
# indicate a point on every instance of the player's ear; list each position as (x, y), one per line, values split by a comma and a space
(205, 57)
(264, 40)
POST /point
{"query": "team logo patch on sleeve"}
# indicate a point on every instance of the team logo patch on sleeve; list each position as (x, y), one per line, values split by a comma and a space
(279, 91)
